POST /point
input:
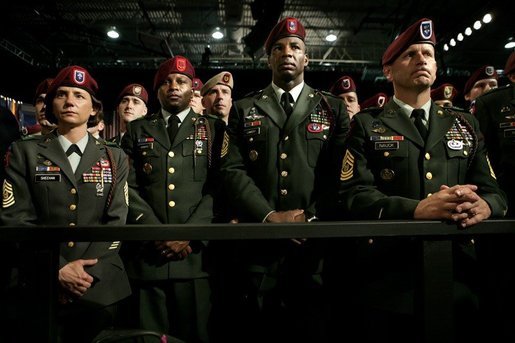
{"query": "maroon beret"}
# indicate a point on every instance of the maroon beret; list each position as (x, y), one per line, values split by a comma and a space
(419, 32)
(73, 76)
(288, 27)
(378, 100)
(197, 84)
(134, 89)
(485, 72)
(43, 88)
(510, 64)
(176, 65)
(345, 84)
(444, 92)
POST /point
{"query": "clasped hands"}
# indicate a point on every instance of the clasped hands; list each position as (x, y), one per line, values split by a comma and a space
(290, 216)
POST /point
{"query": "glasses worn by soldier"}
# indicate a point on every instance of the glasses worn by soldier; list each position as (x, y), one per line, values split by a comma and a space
(73, 179)
(278, 167)
(173, 154)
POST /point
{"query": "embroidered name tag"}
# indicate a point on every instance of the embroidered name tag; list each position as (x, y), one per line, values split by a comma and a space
(47, 177)
(386, 145)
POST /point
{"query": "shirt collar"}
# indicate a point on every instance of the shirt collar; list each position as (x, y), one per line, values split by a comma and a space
(295, 91)
(65, 143)
(407, 109)
(182, 115)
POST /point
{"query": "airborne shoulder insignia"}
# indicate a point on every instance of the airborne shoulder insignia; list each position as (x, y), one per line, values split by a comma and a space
(347, 171)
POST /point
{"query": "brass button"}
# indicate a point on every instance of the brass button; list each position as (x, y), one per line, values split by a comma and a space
(73, 207)
(251, 139)
(284, 192)
(171, 170)
(171, 186)
(386, 154)
(71, 224)
(429, 194)
(144, 153)
(73, 191)
(286, 138)
(71, 244)
(427, 156)
(171, 203)
(370, 241)
(284, 173)
(465, 152)
(171, 154)
(325, 136)
(429, 176)
(283, 156)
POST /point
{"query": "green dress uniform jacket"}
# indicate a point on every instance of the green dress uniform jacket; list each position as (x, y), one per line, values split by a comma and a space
(41, 189)
(170, 184)
(495, 112)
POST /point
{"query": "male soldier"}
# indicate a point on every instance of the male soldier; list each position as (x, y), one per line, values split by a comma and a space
(276, 166)
(73, 179)
(196, 99)
(39, 104)
(217, 95)
(172, 158)
(345, 88)
(495, 112)
(132, 104)
(378, 101)
(411, 160)
(481, 81)
(444, 95)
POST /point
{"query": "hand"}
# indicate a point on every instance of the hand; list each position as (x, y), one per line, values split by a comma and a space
(443, 204)
(476, 212)
(291, 216)
(74, 279)
(174, 250)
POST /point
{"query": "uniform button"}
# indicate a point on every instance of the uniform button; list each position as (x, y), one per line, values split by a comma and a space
(171, 170)
(286, 138)
(386, 154)
(73, 191)
(171, 203)
(73, 207)
(283, 156)
(284, 192)
(429, 194)
(171, 154)
(284, 173)
(429, 176)
(370, 241)
(465, 152)
(472, 241)
(251, 139)
(427, 156)
(71, 224)
(144, 153)
(325, 136)
(171, 186)
(71, 244)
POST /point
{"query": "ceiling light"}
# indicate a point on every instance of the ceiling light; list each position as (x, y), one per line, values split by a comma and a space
(112, 33)
(477, 25)
(331, 37)
(217, 34)
(487, 18)
(468, 31)
(510, 45)
(460, 37)
(445, 47)
(452, 42)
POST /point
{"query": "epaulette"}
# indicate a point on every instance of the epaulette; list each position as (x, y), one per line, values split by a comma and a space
(495, 90)
(372, 110)
(110, 144)
(325, 93)
(31, 137)
(210, 116)
(253, 93)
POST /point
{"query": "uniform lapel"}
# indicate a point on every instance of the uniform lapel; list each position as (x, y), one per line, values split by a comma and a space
(157, 129)
(303, 107)
(439, 123)
(51, 149)
(94, 150)
(269, 104)
(393, 117)
(186, 128)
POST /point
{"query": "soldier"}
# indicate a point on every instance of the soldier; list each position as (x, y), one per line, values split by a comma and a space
(196, 99)
(411, 159)
(73, 179)
(345, 88)
(132, 104)
(481, 81)
(172, 159)
(39, 104)
(444, 95)
(96, 126)
(277, 167)
(495, 112)
(217, 95)
(377, 101)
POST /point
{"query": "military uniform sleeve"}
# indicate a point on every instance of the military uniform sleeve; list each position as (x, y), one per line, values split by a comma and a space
(358, 195)
(240, 186)
(117, 211)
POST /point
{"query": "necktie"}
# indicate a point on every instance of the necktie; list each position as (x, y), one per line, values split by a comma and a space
(73, 149)
(286, 103)
(173, 127)
(417, 115)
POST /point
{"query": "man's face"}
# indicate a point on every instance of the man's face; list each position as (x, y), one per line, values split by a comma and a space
(72, 106)
(415, 68)
(40, 112)
(218, 101)
(444, 103)
(351, 103)
(130, 108)
(196, 103)
(175, 93)
(481, 87)
(288, 59)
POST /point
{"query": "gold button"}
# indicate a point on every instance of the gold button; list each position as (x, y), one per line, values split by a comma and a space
(370, 241)
(429, 194)
(429, 176)
(472, 241)
(284, 173)
(71, 244)
(73, 191)
(251, 139)
(73, 207)
(171, 154)
(171, 170)
(71, 224)
(465, 152)
(427, 156)
(171, 186)
(283, 156)
(286, 138)
(144, 153)
(284, 192)
(325, 136)
(171, 203)
(386, 154)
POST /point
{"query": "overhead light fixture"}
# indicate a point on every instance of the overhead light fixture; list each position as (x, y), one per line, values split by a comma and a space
(477, 25)
(112, 33)
(460, 37)
(445, 47)
(487, 18)
(510, 44)
(452, 42)
(468, 31)
(331, 37)
(217, 34)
